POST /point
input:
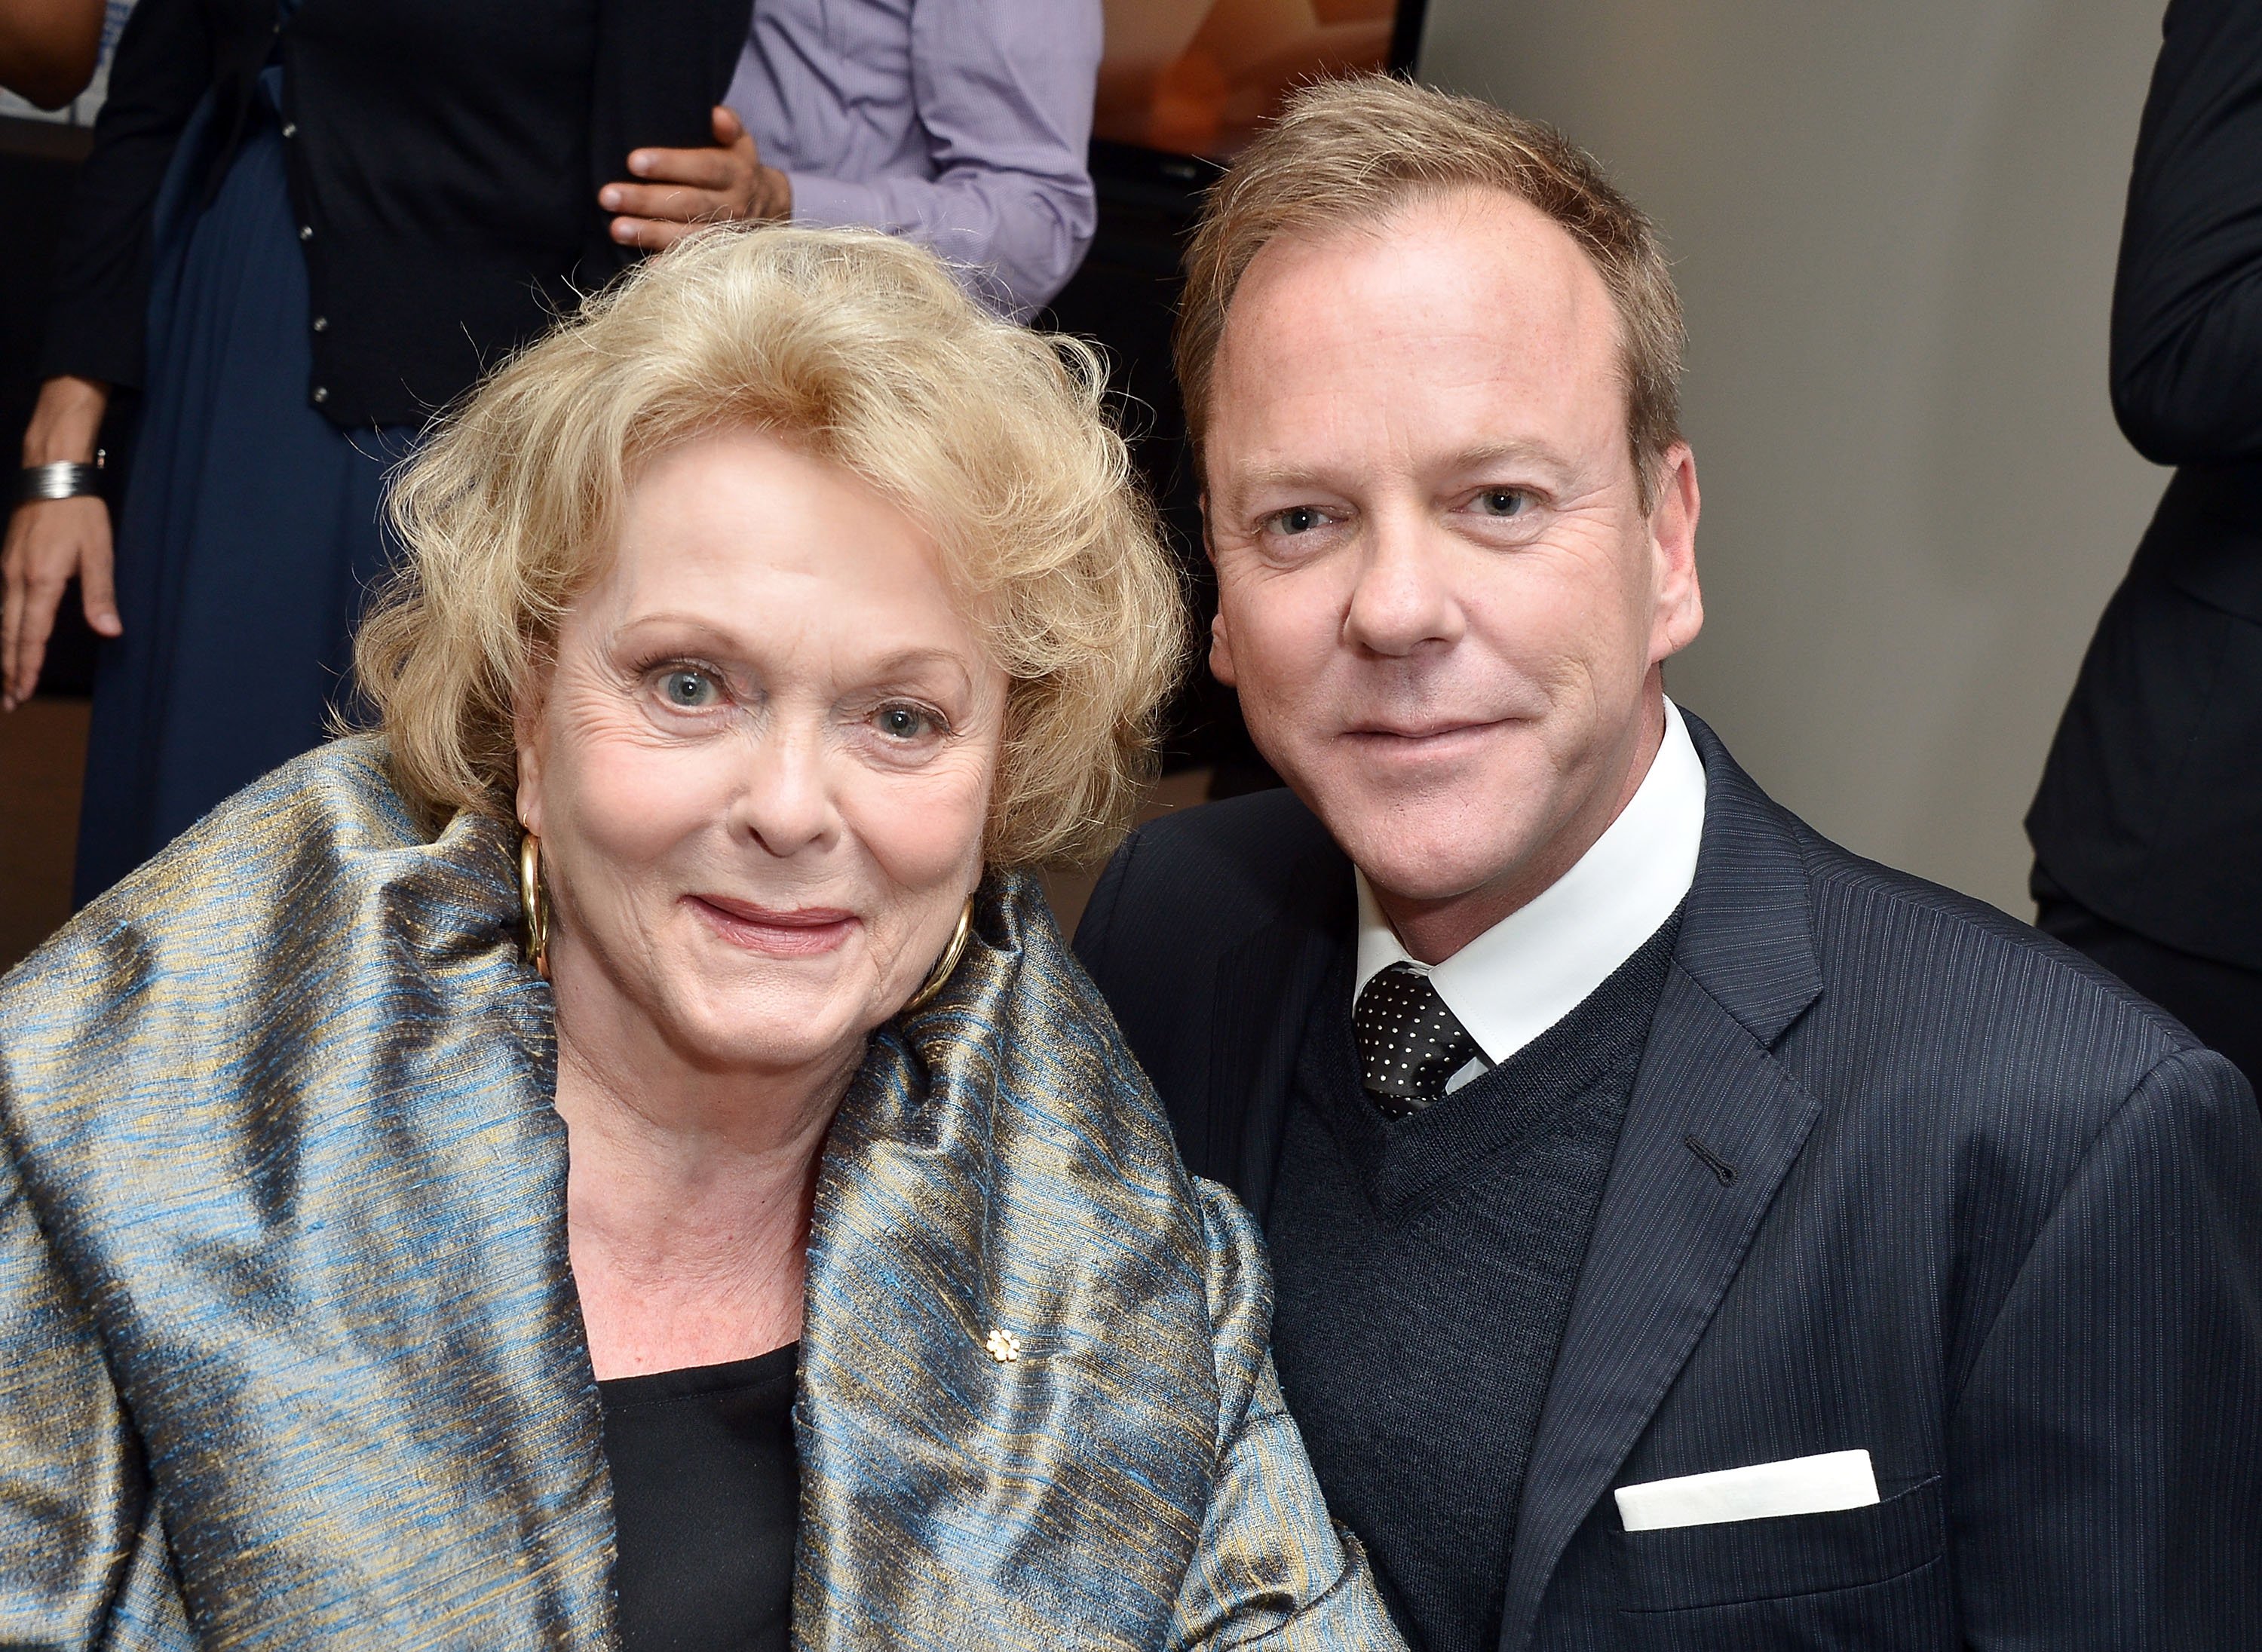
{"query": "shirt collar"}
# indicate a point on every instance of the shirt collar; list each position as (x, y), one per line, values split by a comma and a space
(1538, 964)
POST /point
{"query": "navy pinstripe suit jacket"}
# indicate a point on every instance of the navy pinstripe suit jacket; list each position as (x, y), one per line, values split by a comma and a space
(1898, 1173)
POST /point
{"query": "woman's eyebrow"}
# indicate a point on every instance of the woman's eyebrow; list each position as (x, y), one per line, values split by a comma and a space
(910, 662)
(697, 624)
(895, 664)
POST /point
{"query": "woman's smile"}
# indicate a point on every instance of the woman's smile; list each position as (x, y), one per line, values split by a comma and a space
(795, 932)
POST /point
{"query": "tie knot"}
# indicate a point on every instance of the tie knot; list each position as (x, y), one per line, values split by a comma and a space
(1409, 1044)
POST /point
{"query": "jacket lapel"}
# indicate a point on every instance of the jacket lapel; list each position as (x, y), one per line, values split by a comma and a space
(1714, 1125)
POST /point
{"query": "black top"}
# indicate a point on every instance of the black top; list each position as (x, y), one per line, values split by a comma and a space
(707, 1501)
(1423, 1270)
(445, 161)
(2150, 808)
(1898, 1175)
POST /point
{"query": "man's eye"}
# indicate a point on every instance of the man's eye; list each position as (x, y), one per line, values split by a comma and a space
(904, 722)
(1502, 501)
(1295, 519)
(689, 689)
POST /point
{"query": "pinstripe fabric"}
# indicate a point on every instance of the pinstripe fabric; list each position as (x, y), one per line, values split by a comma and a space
(1899, 1175)
(289, 1354)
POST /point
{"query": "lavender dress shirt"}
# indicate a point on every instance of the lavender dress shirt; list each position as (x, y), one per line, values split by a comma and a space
(960, 124)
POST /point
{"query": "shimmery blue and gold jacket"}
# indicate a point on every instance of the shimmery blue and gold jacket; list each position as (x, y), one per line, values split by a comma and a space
(290, 1352)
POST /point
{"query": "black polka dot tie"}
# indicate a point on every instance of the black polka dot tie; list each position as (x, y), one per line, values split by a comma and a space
(1409, 1041)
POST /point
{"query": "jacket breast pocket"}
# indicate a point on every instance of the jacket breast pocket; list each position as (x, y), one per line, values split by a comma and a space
(1873, 1578)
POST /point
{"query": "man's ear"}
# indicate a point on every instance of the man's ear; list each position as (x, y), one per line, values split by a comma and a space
(1221, 642)
(1220, 649)
(1678, 610)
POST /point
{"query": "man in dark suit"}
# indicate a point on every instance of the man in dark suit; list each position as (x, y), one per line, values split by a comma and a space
(2148, 826)
(1686, 1234)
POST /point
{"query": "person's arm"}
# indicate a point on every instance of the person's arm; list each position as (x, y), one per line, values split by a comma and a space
(51, 542)
(2105, 1455)
(678, 190)
(2187, 300)
(1271, 1568)
(99, 297)
(47, 48)
(95, 306)
(1004, 91)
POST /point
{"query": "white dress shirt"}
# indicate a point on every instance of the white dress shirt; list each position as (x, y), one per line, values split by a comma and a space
(1538, 964)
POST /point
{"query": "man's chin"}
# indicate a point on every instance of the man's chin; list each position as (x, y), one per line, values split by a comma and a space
(1426, 879)
(1440, 853)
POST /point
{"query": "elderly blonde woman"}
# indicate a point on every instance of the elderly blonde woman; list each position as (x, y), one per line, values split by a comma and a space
(623, 1150)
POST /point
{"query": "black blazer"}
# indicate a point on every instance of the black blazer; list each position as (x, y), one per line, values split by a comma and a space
(444, 155)
(1898, 1173)
(2149, 810)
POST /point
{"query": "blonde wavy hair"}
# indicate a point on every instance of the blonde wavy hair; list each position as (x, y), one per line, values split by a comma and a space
(856, 348)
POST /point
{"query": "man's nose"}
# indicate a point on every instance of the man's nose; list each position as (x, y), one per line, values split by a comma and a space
(785, 798)
(1405, 598)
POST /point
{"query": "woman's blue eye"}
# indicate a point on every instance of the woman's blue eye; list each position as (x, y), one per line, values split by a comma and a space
(904, 722)
(1297, 519)
(689, 689)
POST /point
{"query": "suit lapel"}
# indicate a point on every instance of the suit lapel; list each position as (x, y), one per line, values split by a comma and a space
(1713, 1127)
(1670, 1237)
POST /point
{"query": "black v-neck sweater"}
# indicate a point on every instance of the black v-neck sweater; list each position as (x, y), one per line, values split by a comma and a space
(1424, 1273)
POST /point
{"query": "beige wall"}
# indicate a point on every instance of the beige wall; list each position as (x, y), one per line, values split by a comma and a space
(1894, 224)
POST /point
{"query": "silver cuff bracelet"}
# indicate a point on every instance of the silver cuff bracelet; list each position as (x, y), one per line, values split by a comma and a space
(60, 480)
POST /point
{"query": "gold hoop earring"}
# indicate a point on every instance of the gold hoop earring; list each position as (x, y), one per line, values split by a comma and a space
(535, 905)
(946, 963)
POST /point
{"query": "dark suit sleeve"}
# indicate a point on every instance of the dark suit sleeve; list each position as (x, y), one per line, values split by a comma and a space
(1136, 941)
(2105, 1455)
(1095, 929)
(101, 294)
(2187, 302)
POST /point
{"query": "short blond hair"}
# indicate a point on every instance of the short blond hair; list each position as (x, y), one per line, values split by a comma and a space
(1348, 153)
(857, 347)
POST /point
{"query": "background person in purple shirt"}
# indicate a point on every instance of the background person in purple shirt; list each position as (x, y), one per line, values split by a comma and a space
(960, 124)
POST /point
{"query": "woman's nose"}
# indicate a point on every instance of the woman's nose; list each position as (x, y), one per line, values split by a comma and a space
(1404, 598)
(785, 799)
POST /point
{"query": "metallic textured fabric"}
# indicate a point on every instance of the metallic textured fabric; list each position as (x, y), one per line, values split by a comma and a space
(290, 1351)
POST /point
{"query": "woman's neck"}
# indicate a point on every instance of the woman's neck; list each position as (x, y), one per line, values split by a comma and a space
(687, 1204)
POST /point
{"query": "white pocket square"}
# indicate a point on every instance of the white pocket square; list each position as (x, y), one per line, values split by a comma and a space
(1797, 1485)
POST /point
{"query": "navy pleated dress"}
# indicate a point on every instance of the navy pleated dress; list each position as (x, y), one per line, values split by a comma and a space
(250, 532)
